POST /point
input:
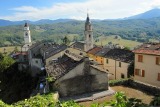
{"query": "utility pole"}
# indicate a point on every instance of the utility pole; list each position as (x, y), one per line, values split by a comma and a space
(115, 69)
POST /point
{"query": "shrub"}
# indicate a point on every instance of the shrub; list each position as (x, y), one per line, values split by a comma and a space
(155, 101)
(118, 82)
(37, 101)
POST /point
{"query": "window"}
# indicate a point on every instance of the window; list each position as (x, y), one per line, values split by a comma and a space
(122, 75)
(107, 61)
(140, 58)
(119, 64)
(36, 62)
(67, 51)
(158, 77)
(80, 53)
(157, 60)
(89, 36)
(25, 57)
(26, 34)
(140, 72)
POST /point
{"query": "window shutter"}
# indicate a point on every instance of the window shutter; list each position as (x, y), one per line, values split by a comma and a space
(158, 77)
(143, 73)
(157, 60)
(138, 58)
(136, 72)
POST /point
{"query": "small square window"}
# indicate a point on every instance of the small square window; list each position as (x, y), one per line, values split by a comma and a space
(36, 62)
(119, 64)
(107, 61)
(122, 75)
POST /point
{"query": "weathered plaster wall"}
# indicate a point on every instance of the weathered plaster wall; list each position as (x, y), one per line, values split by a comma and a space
(76, 82)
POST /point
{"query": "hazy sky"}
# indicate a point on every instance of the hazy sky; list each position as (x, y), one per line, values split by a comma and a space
(73, 9)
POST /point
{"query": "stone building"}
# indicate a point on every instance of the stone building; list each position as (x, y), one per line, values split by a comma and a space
(74, 75)
(40, 54)
(88, 37)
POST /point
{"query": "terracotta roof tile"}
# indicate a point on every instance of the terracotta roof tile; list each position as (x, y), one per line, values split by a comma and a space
(148, 48)
(94, 50)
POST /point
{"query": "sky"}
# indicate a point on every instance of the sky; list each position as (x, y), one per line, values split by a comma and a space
(16, 10)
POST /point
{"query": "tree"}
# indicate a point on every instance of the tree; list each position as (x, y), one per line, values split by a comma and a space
(16, 49)
(5, 63)
(66, 40)
(155, 101)
(1, 56)
(127, 48)
(130, 69)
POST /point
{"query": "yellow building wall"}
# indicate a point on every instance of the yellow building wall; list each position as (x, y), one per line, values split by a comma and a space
(151, 69)
(90, 55)
(114, 70)
(99, 59)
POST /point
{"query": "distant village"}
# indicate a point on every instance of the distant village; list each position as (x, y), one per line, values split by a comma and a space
(83, 67)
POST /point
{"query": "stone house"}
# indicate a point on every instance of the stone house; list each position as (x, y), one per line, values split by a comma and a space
(41, 54)
(74, 75)
(147, 64)
(22, 60)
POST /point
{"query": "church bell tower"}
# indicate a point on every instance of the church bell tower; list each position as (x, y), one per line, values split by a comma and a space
(88, 35)
(27, 35)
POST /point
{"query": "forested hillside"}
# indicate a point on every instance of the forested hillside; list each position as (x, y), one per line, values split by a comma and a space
(141, 30)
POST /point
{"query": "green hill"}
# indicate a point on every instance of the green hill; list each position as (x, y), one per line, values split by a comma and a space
(141, 30)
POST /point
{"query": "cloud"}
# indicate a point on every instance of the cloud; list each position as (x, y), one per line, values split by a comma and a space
(98, 9)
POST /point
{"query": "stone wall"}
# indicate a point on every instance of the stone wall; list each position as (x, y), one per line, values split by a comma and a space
(82, 79)
(144, 87)
(136, 85)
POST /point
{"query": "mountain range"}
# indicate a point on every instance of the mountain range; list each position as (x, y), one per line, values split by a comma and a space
(153, 13)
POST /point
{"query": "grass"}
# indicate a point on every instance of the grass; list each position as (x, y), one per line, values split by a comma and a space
(129, 92)
(71, 37)
(127, 43)
(8, 49)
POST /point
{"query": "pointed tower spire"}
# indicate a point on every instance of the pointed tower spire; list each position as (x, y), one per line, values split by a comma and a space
(88, 20)
(88, 34)
(26, 24)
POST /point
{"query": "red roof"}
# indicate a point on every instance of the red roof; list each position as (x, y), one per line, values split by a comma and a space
(94, 50)
(152, 52)
(148, 48)
(22, 53)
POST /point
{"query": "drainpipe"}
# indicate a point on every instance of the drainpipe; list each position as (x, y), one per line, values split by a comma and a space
(115, 69)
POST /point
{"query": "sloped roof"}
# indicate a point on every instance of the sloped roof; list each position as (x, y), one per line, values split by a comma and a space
(94, 50)
(120, 55)
(62, 66)
(102, 52)
(35, 45)
(148, 48)
(78, 45)
(54, 50)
